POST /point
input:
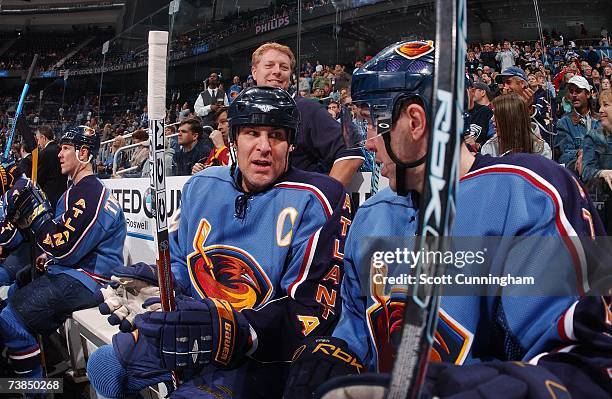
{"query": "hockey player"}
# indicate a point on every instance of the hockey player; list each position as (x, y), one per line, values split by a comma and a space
(83, 242)
(261, 263)
(13, 255)
(566, 340)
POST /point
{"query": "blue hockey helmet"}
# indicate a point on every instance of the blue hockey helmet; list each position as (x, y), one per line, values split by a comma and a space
(402, 71)
(82, 136)
(263, 106)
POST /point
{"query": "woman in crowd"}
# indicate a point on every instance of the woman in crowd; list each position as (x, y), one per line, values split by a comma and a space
(597, 158)
(105, 170)
(141, 154)
(515, 131)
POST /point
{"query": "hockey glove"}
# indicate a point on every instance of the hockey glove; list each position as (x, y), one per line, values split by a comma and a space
(123, 299)
(501, 380)
(27, 206)
(197, 333)
(315, 362)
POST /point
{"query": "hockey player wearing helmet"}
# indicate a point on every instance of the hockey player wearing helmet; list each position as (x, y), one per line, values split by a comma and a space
(259, 264)
(83, 241)
(496, 197)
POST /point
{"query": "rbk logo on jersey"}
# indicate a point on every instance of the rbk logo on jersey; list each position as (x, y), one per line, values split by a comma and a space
(226, 272)
(415, 49)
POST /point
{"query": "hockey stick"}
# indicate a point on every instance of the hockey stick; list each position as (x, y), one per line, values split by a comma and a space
(24, 93)
(156, 105)
(437, 200)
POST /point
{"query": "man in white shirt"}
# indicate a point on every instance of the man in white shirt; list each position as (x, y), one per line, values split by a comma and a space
(210, 100)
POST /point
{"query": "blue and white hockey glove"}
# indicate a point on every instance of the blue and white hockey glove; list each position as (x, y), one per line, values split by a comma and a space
(196, 334)
(26, 206)
(124, 298)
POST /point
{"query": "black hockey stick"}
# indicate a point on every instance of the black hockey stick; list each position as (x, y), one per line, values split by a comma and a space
(437, 199)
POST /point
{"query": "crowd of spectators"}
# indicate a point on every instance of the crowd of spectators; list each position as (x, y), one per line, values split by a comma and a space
(559, 81)
(124, 55)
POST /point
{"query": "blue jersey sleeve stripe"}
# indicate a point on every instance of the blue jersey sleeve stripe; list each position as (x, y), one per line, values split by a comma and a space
(317, 193)
(564, 227)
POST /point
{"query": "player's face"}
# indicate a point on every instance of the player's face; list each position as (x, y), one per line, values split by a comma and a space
(262, 153)
(606, 115)
(273, 69)
(68, 159)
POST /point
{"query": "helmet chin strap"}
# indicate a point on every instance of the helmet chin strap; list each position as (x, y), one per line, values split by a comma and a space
(384, 129)
(82, 166)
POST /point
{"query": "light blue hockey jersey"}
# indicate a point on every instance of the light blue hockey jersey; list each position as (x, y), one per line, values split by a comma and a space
(85, 239)
(276, 255)
(515, 195)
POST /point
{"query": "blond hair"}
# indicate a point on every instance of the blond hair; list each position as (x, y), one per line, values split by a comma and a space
(257, 54)
(605, 95)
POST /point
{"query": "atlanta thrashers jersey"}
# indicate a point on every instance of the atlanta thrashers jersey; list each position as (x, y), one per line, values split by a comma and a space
(85, 239)
(510, 196)
(276, 256)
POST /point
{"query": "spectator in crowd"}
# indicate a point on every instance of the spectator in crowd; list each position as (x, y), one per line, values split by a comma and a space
(219, 155)
(342, 80)
(479, 114)
(235, 88)
(50, 178)
(334, 109)
(592, 57)
(472, 63)
(193, 148)
(572, 127)
(105, 169)
(597, 157)
(320, 146)
(210, 100)
(514, 80)
(507, 57)
(144, 117)
(172, 141)
(515, 131)
(487, 57)
(304, 85)
(141, 155)
(25, 161)
(184, 113)
(482, 94)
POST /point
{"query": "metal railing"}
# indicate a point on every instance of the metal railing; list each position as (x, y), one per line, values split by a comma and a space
(129, 147)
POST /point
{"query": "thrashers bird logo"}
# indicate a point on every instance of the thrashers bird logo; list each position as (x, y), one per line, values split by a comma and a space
(415, 49)
(226, 272)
